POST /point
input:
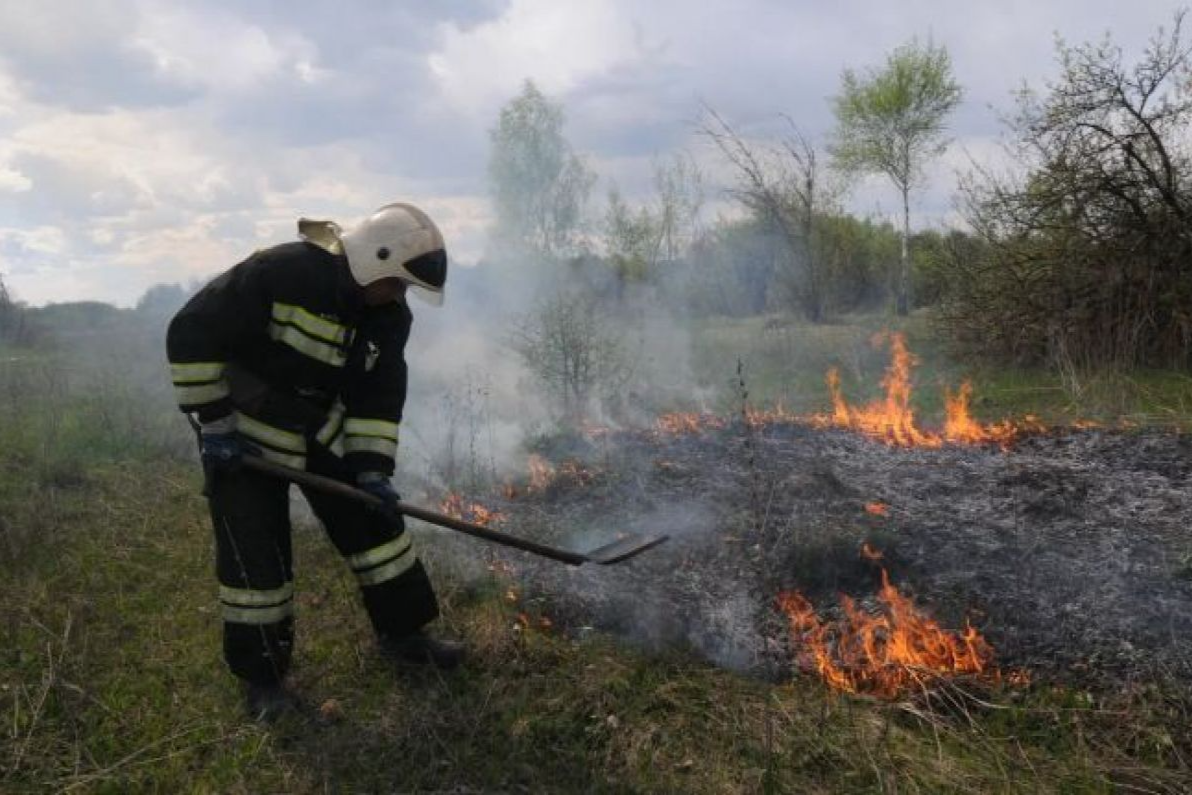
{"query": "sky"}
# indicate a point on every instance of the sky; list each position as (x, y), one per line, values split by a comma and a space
(146, 142)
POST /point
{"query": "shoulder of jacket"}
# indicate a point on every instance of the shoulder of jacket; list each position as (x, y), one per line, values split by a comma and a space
(294, 251)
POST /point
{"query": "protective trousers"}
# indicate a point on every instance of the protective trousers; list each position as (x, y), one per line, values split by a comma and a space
(254, 563)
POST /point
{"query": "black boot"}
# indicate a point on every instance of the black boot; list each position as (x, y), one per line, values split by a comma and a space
(269, 703)
(420, 648)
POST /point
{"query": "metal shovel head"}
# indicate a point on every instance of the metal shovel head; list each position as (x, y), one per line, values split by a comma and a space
(623, 549)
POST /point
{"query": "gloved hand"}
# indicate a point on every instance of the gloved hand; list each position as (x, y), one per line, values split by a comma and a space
(224, 451)
(377, 484)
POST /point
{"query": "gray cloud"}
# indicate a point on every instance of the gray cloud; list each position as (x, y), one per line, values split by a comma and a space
(164, 138)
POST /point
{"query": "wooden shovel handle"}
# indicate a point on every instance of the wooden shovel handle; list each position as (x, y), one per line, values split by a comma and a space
(340, 489)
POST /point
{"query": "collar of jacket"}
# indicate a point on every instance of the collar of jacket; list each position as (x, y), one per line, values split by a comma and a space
(351, 296)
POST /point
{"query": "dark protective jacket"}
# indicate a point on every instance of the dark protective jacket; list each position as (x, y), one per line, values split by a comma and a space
(284, 341)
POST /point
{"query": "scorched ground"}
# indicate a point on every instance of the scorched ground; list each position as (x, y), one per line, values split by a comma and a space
(1070, 551)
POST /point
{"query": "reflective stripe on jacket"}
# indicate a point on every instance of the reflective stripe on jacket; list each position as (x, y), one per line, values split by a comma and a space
(324, 367)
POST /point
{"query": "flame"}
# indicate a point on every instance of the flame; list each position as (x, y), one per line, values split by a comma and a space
(542, 474)
(678, 423)
(758, 418)
(869, 553)
(877, 509)
(453, 505)
(892, 419)
(960, 427)
(884, 655)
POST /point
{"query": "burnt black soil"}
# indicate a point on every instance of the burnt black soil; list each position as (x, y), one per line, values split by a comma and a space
(1070, 552)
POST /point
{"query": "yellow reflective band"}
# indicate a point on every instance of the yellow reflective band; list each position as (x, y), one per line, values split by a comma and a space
(282, 439)
(380, 428)
(257, 615)
(332, 426)
(311, 323)
(320, 351)
(371, 557)
(370, 444)
(291, 461)
(392, 569)
(196, 372)
(198, 395)
(251, 597)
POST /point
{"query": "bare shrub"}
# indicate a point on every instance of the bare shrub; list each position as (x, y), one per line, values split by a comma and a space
(574, 351)
(1084, 261)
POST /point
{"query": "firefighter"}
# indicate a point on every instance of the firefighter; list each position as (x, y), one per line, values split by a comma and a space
(297, 355)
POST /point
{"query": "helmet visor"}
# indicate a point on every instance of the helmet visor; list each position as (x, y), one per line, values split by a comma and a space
(429, 268)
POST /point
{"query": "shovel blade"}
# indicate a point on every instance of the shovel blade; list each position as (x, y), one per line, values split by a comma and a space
(623, 549)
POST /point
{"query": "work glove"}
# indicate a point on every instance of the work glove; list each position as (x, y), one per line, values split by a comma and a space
(221, 447)
(224, 451)
(377, 484)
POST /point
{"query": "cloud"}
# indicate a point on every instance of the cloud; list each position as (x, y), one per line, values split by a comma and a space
(146, 140)
(558, 45)
(35, 240)
(211, 49)
(13, 181)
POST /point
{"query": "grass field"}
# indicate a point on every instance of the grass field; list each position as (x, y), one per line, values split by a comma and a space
(111, 679)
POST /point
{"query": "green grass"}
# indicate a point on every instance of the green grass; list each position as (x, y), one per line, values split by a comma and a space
(111, 681)
(785, 361)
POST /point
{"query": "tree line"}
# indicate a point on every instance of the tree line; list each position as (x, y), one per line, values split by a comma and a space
(1081, 257)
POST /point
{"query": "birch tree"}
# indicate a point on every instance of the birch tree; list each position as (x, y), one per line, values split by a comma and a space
(891, 121)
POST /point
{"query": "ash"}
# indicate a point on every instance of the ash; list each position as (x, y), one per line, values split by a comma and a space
(1071, 552)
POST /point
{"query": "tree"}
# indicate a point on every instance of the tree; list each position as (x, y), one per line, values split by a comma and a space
(783, 185)
(539, 185)
(890, 121)
(1084, 261)
(633, 240)
(13, 325)
(568, 343)
(679, 186)
(162, 300)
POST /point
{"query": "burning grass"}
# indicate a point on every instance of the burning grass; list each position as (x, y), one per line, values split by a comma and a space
(889, 654)
(890, 419)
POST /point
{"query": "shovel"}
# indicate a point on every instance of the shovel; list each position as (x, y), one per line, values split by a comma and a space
(619, 550)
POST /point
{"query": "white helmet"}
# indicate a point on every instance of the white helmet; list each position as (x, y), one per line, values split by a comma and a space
(397, 241)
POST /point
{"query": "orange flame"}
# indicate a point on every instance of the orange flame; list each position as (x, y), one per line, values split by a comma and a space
(758, 418)
(877, 509)
(883, 655)
(542, 474)
(892, 419)
(453, 505)
(677, 423)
